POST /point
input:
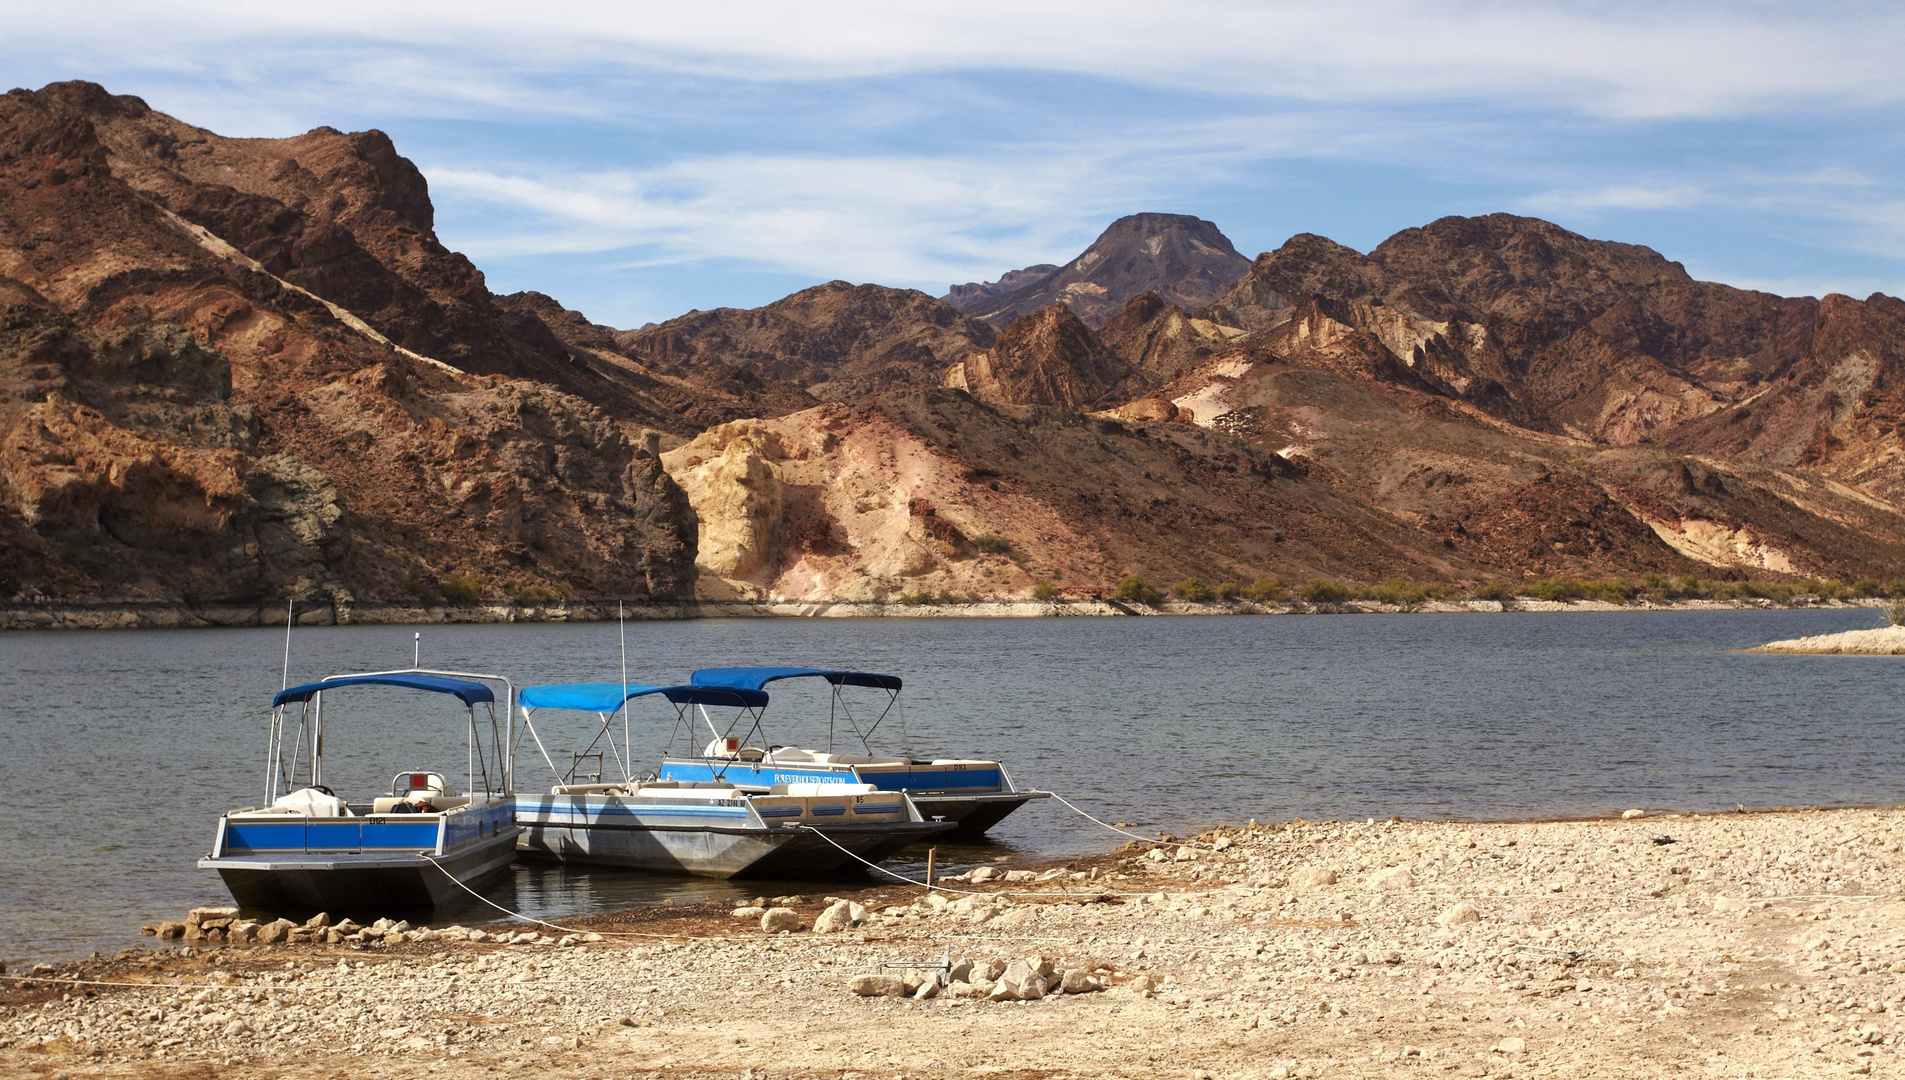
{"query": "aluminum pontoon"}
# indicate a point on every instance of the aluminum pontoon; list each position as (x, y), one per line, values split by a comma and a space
(974, 794)
(305, 848)
(711, 826)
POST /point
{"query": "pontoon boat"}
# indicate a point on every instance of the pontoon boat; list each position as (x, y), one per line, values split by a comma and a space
(972, 793)
(307, 848)
(711, 826)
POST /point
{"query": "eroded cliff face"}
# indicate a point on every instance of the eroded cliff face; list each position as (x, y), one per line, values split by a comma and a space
(834, 504)
(181, 420)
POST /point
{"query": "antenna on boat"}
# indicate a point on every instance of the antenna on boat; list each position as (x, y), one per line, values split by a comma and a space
(621, 630)
(290, 607)
(416, 650)
(274, 743)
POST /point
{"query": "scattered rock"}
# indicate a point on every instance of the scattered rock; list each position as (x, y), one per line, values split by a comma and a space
(780, 921)
(1078, 981)
(1513, 1044)
(1312, 877)
(1729, 903)
(1629, 815)
(749, 912)
(878, 986)
(1394, 877)
(983, 874)
(1459, 913)
(838, 917)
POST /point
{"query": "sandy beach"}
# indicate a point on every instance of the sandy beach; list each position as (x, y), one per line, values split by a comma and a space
(1739, 945)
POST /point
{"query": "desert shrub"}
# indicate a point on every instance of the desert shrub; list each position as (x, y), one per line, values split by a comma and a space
(1403, 593)
(992, 544)
(463, 589)
(535, 594)
(1324, 591)
(1896, 590)
(1227, 590)
(424, 591)
(1135, 589)
(1610, 590)
(1193, 590)
(1493, 590)
(916, 598)
(1895, 613)
(1555, 589)
(1264, 590)
(1044, 590)
(1866, 588)
(1828, 589)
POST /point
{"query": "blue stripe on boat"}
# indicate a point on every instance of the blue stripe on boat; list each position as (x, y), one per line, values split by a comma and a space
(829, 811)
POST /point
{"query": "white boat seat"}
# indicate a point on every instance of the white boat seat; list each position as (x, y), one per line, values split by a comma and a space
(310, 802)
(789, 753)
(589, 789)
(812, 790)
(857, 759)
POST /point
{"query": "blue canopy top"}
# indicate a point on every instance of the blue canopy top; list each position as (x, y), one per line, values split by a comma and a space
(468, 692)
(607, 697)
(753, 678)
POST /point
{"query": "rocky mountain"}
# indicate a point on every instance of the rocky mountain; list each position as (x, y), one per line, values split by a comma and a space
(212, 388)
(1046, 358)
(232, 370)
(977, 293)
(1503, 370)
(1185, 260)
(832, 341)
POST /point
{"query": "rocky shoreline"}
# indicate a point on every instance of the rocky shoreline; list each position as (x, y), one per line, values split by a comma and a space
(1879, 641)
(1735, 944)
(163, 615)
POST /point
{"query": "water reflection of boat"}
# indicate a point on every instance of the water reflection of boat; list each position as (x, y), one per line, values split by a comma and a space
(708, 826)
(973, 794)
(412, 850)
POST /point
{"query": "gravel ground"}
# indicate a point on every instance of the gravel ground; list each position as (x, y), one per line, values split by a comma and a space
(1750, 945)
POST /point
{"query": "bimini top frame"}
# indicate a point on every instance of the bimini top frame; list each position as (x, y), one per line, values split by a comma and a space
(754, 678)
(606, 700)
(471, 688)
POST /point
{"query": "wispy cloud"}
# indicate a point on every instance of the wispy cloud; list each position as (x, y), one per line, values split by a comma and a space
(633, 147)
(1621, 59)
(895, 219)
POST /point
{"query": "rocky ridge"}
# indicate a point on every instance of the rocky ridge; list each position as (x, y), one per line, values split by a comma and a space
(182, 423)
(1184, 259)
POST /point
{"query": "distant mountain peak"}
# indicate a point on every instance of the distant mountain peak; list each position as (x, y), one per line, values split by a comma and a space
(1186, 260)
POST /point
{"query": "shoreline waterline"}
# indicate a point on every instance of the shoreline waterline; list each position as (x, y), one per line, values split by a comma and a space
(168, 615)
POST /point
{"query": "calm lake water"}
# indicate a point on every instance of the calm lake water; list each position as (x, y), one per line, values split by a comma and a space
(118, 749)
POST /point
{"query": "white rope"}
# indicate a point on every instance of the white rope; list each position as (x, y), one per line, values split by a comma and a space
(1121, 832)
(544, 922)
(984, 892)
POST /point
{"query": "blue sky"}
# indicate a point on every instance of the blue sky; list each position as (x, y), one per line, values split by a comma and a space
(636, 161)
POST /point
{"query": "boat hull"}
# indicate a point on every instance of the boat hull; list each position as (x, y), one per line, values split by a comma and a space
(596, 834)
(973, 796)
(972, 815)
(381, 883)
